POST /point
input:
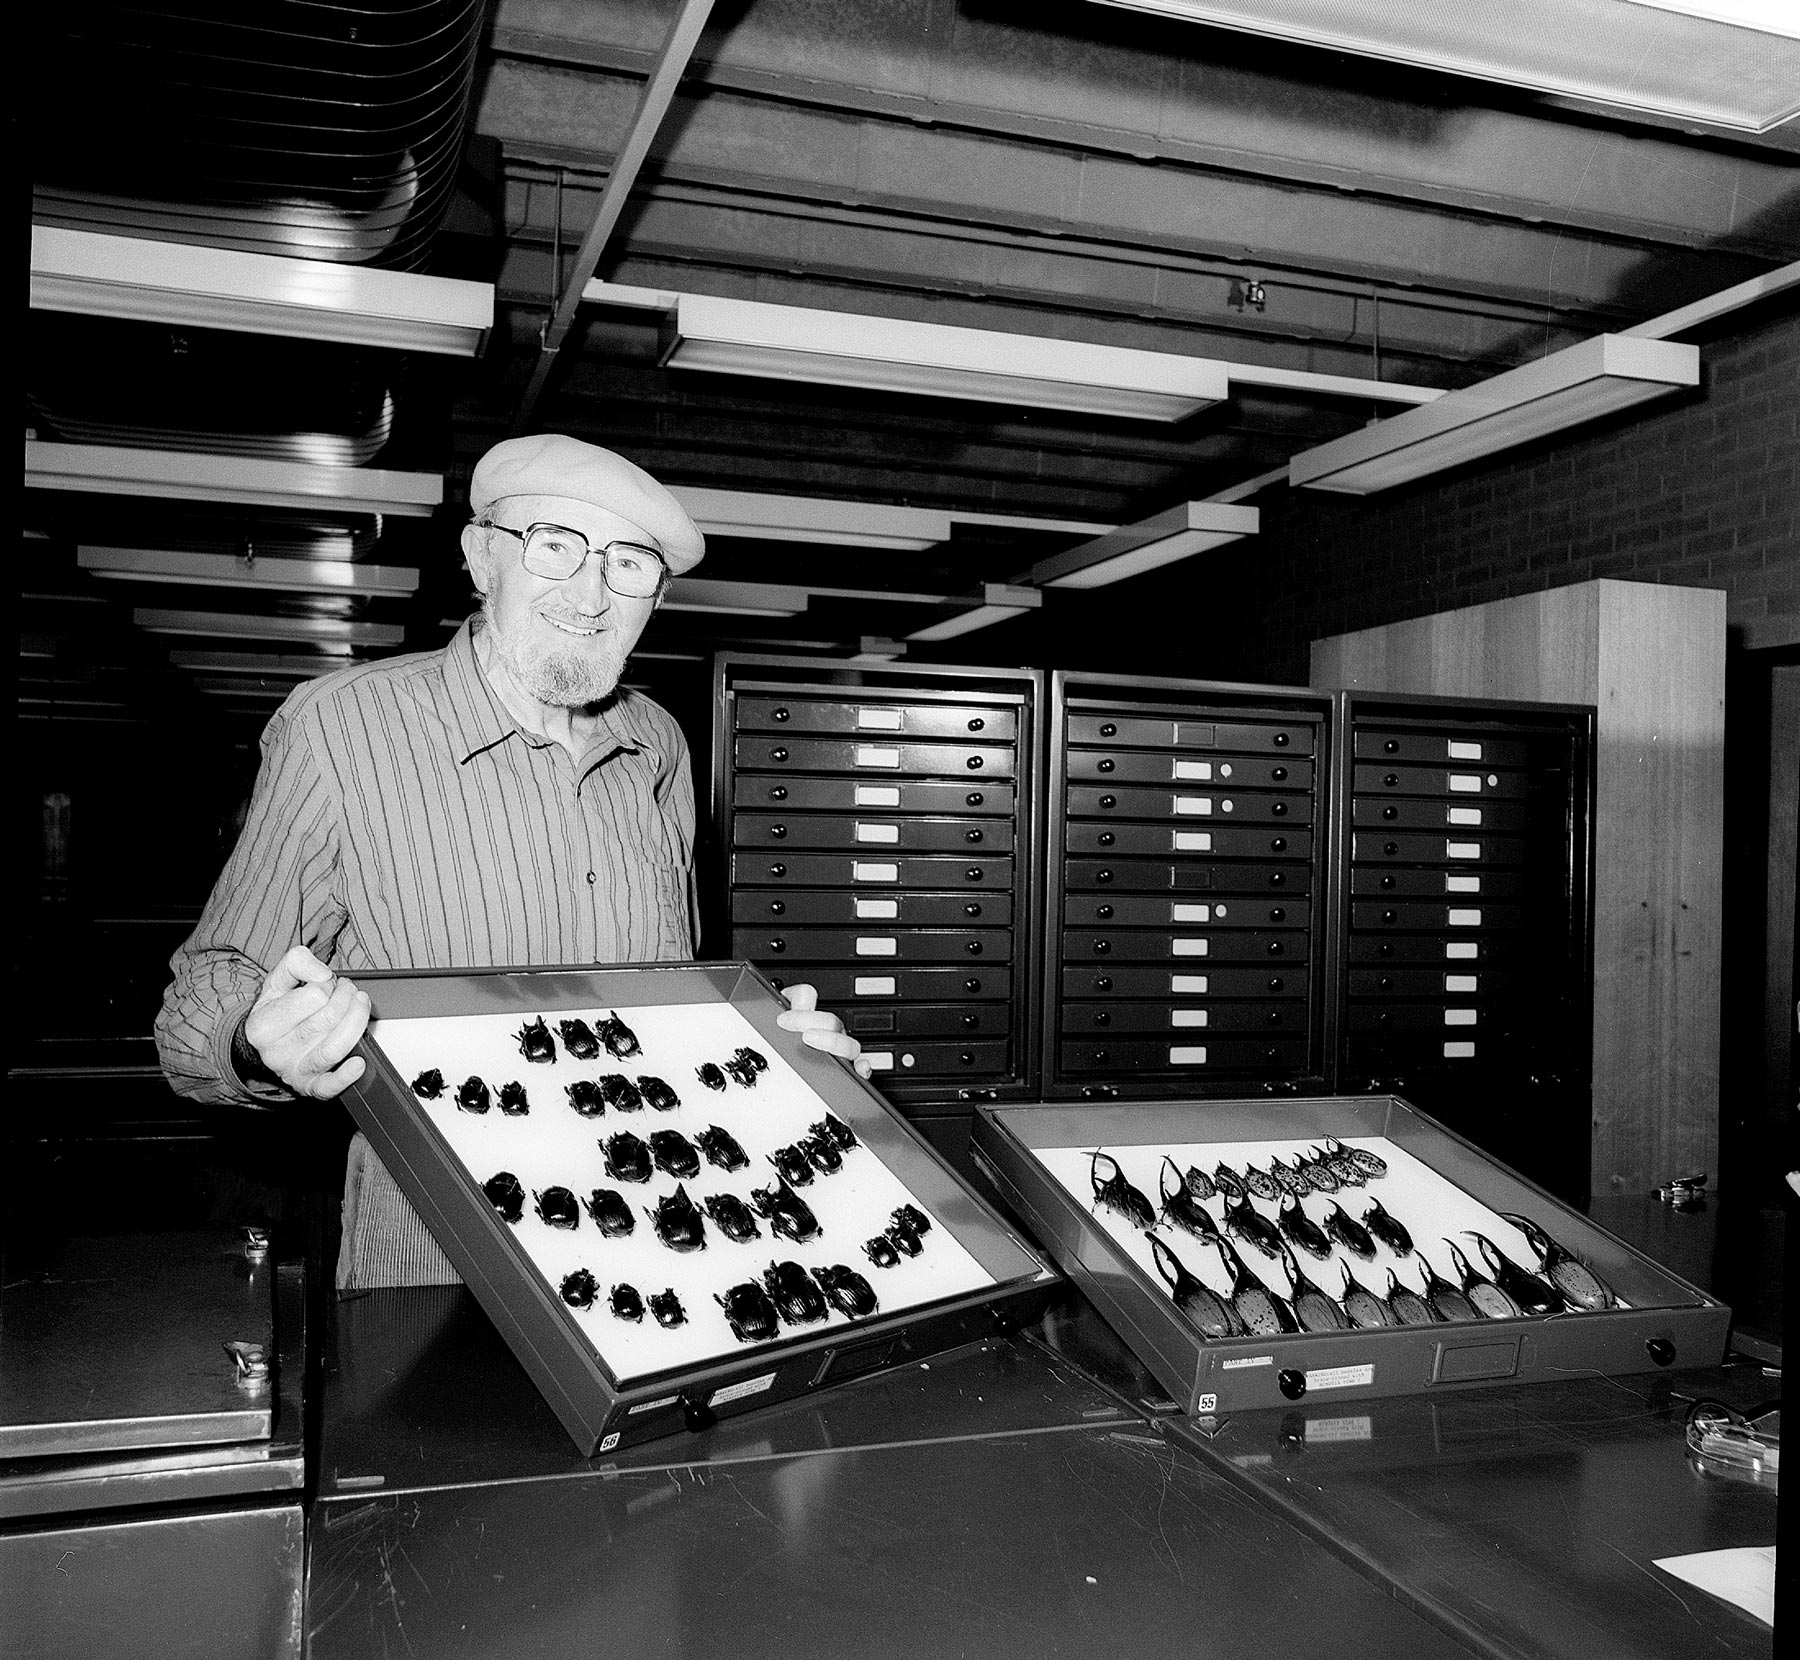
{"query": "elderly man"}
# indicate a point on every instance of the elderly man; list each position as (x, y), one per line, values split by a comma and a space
(500, 802)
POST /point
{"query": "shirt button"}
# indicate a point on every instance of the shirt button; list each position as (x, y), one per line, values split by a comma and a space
(592, 878)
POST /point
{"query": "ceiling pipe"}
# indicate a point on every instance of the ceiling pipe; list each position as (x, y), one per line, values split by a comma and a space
(653, 105)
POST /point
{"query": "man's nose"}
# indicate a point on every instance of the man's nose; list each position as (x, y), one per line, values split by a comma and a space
(587, 587)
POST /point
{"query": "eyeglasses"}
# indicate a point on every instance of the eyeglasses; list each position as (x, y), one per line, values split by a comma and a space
(556, 553)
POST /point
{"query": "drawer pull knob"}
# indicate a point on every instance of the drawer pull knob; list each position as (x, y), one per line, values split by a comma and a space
(778, 793)
(1392, 746)
(1102, 1018)
(1275, 1018)
(1104, 876)
(1277, 949)
(777, 907)
(971, 1020)
(1390, 848)
(974, 798)
(1281, 740)
(972, 836)
(971, 910)
(973, 948)
(1106, 838)
(966, 1058)
(1102, 948)
(1276, 983)
(1106, 765)
(1109, 801)
(1278, 913)
(971, 986)
(778, 946)
(1109, 730)
(1277, 879)
(1278, 844)
(972, 874)
(976, 724)
(1278, 809)
(779, 753)
(1104, 912)
(1391, 780)
(778, 831)
(781, 713)
(1390, 812)
(1279, 774)
(975, 763)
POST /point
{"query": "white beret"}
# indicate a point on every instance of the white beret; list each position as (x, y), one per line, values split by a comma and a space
(551, 464)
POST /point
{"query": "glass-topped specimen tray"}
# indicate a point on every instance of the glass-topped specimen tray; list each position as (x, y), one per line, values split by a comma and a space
(672, 1209)
(1394, 1271)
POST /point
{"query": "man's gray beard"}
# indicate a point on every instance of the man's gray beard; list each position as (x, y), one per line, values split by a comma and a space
(560, 679)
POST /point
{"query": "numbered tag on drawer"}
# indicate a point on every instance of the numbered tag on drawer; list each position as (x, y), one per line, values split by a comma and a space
(877, 832)
(1462, 982)
(1464, 918)
(1187, 1017)
(1461, 751)
(1465, 783)
(1194, 806)
(1193, 841)
(1187, 1054)
(1459, 1051)
(1462, 884)
(1188, 947)
(860, 872)
(878, 795)
(872, 755)
(1193, 771)
(880, 1060)
(878, 910)
(1188, 985)
(877, 945)
(1462, 850)
(1459, 950)
(1192, 913)
(879, 720)
(1470, 816)
(1459, 1017)
(876, 985)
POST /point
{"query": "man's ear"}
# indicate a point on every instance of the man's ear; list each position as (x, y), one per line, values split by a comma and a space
(475, 551)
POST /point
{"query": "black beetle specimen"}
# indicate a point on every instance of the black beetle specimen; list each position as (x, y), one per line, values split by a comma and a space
(1302, 1229)
(627, 1158)
(710, 1075)
(755, 1059)
(626, 1303)
(1180, 1207)
(911, 1217)
(1117, 1194)
(674, 1153)
(735, 1219)
(904, 1239)
(1410, 1309)
(1289, 1178)
(790, 1163)
(1195, 1298)
(556, 1208)
(1533, 1295)
(585, 1097)
(1387, 1228)
(1580, 1286)
(612, 1216)
(1199, 1183)
(721, 1148)
(579, 1289)
(1363, 1307)
(880, 1251)
(666, 1306)
(535, 1041)
(678, 1222)
(428, 1086)
(1314, 1308)
(505, 1195)
(742, 1072)
(1250, 1225)
(578, 1038)
(1487, 1298)
(472, 1096)
(1263, 1313)
(621, 1042)
(1316, 1169)
(1350, 1233)
(1371, 1164)
(787, 1213)
(657, 1093)
(851, 1295)
(821, 1153)
(1227, 1181)
(791, 1290)
(513, 1100)
(749, 1313)
(1261, 1183)
(620, 1093)
(833, 1129)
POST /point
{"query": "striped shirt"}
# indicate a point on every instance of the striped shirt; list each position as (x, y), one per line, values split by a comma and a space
(403, 819)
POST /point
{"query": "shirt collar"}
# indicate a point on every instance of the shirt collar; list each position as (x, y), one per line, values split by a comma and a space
(478, 720)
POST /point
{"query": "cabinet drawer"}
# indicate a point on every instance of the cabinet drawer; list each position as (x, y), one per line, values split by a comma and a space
(872, 945)
(1452, 1017)
(902, 795)
(1113, 732)
(1197, 946)
(1176, 1020)
(1508, 950)
(875, 1021)
(905, 1059)
(876, 718)
(873, 836)
(1471, 783)
(852, 909)
(1142, 876)
(1202, 1055)
(1373, 743)
(875, 984)
(1454, 918)
(1461, 851)
(1447, 983)
(1474, 817)
(1082, 911)
(1229, 841)
(1288, 980)
(869, 871)
(874, 759)
(1453, 886)
(1242, 772)
(1199, 807)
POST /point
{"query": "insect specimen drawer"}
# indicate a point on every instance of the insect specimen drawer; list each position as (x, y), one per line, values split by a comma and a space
(1332, 1247)
(672, 1209)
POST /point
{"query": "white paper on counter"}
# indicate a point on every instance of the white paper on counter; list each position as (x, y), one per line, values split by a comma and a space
(1745, 1576)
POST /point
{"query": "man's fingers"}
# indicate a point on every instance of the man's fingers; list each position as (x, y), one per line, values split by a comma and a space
(331, 1084)
(342, 1038)
(802, 999)
(833, 1040)
(299, 967)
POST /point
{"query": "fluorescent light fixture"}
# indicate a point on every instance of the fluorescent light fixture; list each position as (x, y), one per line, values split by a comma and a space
(1728, 63)
(877, 648)
(222, 288)
(183, 475)
(218, 570)
(850, 524)
(743, 599)
(835, 348)
(225, 625)
(1184, 530)
(254, 663)
(1578, 384)
(998, 602)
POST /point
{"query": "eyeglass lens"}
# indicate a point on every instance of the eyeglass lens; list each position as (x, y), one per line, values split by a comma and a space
(553, 551)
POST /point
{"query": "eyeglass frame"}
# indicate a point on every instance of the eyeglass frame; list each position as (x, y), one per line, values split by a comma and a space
(604, 550)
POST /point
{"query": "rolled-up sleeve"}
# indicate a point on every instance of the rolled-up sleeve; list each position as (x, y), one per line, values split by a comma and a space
(279, 888)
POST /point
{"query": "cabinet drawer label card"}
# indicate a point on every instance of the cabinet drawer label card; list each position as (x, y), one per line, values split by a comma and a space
(1465, 918)
(877, 910)
(1187, 983)
(1339, 1377)
(1462, 884)
(1194, 806)
(1464, 751)
(1462, 982)
(1187, 1017)
(1459, 1051)
(1459, 1017)
(1193, 841)
(1247, 1360)
(1465, 783)
(1461, 950)
(1462, 850)
(867, 755)
(1193, 1054)
(738, 1391)
(1188, 948)
(876, 945)
(877, 795)
(875, 985)
(1463, 815)
(877, 832)
(1200, 770)
(879, 720)
(1190, 913)
(860, 872)
(880, 1060)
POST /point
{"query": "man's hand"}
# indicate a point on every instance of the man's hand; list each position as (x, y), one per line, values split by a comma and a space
(305, 1021)
(819, 1029)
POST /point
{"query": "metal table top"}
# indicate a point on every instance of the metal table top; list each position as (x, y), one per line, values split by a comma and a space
(994, 1500)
